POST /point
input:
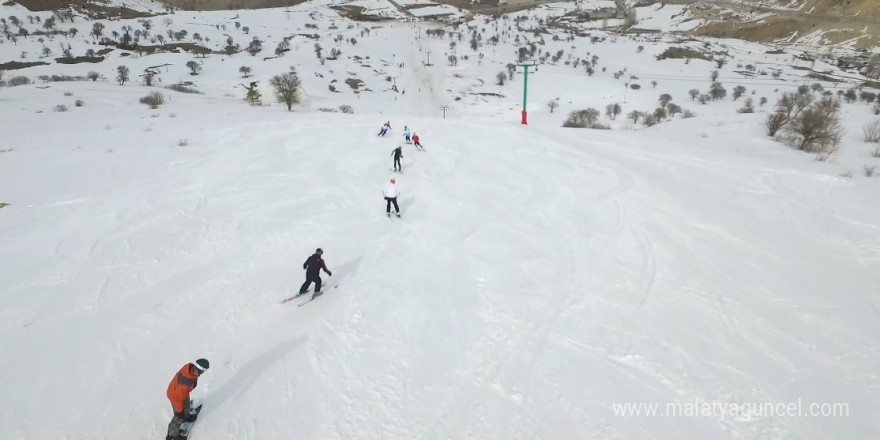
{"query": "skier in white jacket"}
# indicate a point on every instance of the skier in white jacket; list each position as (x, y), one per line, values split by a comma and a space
(391, 194)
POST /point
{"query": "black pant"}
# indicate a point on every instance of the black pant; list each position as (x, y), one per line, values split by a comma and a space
(397, 166)
(388, 202)
(309, 280)
(176, 421)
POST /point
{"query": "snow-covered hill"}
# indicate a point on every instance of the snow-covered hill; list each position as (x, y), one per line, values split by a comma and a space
(543, 282)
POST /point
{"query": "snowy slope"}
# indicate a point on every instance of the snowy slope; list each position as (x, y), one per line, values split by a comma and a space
(539, 276)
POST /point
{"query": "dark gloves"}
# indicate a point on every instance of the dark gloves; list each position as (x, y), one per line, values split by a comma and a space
(329, 273)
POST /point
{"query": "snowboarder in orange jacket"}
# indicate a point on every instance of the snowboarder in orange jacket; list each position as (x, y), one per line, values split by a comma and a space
(181, 385)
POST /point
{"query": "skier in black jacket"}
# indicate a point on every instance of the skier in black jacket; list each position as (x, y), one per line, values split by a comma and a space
(313, 266)
(397, 154)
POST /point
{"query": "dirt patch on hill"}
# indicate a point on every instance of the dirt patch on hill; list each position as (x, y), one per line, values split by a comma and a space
(217, 5)
(773, 29)
(94, 9)
(852, 21)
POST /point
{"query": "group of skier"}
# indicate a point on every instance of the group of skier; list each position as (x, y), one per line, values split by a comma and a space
(391, 192)
(186, 379)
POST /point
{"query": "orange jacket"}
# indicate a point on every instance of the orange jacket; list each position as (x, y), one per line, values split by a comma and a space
(183, 382)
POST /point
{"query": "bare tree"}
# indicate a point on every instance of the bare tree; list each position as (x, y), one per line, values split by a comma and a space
(121, 74)
(499, 78)
(194, 67)
(286, 88)
(553, 104)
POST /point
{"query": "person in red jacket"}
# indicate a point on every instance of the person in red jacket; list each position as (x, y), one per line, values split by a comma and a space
(415, 139)
(181, 385)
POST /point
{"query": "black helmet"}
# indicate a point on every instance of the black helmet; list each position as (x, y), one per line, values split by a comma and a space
(319, 251)
(202, 365)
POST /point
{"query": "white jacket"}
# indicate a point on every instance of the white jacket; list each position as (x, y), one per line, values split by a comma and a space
(391, 190)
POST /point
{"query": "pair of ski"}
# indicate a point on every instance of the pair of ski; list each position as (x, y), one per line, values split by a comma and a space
(312, 298)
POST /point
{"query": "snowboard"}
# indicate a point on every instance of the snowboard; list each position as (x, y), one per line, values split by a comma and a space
(193, 415)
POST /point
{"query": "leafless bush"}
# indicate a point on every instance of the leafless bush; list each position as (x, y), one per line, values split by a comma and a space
(68, 93)
(870, 170)
(847, 173)
(817, 128)
(552, 104)
(686, 114)
(60, 108)
(346, 109)
(182, 142)
(154, 100)
(825, 153)
(582, 118)
(775, 121)
(872, 131)
(93, 75)
(183, 89)
(19, 81)
(748, 106)
(79, 103)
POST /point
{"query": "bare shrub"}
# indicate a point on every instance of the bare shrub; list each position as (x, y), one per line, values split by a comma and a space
(870, 170)
(60, 108)
(19, 81)
(872, 131)
(686, 114)
(93, 75)
(499, 78)
(817, 128)
(748, 106)
(847, 173)
(154, 100)
(68, 93)
(876, 151)
(79, 103)
(582, 118)
(183, 89)
(775, 121)
(346, 109)
(552, 104)
(182, 142)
